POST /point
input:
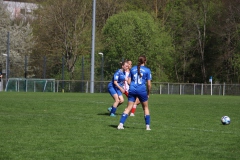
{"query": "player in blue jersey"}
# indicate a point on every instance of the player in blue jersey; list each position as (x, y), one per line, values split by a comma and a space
(115, 88)
(126, 87)
(139, 76)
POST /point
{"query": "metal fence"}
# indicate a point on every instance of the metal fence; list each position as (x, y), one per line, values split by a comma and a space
(157, 88)
(196, 89)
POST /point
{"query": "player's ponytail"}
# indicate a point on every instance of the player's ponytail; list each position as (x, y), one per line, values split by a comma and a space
(141, 60)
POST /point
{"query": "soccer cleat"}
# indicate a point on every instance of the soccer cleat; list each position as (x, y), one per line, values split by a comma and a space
(120, 126)
(148, 128)
(112, 115)
(109, 109)
(132, 115)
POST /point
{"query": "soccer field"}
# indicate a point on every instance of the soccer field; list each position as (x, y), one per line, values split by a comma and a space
(77, 126)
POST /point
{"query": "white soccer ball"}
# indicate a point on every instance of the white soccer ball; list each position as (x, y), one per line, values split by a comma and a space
(225, 120)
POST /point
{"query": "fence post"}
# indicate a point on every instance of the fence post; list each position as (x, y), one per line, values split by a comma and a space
(87, 87)
(26, 85)
(62, 74)
(16, 86)
(219, 91)
(69, 87)
(57, 85)
(54, 87)
(168, 88)
(180, 89)
(160, 89)
(224, 89)
(202, 89)
(194, 89)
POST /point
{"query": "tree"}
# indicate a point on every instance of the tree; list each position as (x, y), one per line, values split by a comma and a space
(21, 45)
(21, 41)
(107, 8)
(62, 29)
(225, 31)
(4, 25)
(190, 24)
(130, 34)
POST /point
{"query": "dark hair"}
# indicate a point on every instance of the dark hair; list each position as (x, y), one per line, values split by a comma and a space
(123, 62)
(141, 60)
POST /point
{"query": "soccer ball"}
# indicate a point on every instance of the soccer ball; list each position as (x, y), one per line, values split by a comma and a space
(225, 120)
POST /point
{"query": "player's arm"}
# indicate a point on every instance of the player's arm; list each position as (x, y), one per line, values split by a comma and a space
(115, 82)
(149, 85)
(129, 79)
(118, 86)
(128, 82)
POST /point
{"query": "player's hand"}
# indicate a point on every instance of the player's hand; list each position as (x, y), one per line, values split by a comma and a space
(122, 90)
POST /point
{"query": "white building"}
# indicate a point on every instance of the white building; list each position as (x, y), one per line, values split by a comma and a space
(21, 10)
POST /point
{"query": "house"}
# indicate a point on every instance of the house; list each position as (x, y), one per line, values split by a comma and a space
(20, 9)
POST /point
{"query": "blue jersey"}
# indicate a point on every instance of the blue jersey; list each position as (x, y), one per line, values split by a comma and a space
(138, 84)
(118, 76)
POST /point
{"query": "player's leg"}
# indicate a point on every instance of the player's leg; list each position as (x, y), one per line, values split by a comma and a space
(131, 100)
(125, 115)
(121, 99)
(143, 98)
(146, 114)
(115, 105)
(113, 92)
(134, 107)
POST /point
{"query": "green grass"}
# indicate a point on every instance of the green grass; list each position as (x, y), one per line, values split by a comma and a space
(77, 126)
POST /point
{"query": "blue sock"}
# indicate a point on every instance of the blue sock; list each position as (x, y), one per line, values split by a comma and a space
(113, 110)
(147, 119)
(123, 118)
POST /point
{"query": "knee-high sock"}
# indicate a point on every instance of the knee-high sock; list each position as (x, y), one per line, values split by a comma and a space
(134, 109)
(147, 119)
(113, 110)
(123, 118)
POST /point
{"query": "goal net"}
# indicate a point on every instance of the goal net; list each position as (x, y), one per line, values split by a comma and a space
(30, 85)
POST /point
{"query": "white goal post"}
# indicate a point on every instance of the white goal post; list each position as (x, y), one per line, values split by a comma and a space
(30, 85)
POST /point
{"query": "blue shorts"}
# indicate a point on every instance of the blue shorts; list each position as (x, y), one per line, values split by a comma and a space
(133, 94)
(113, 90)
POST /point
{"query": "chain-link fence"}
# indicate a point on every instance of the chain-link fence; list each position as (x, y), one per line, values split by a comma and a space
(157, 87)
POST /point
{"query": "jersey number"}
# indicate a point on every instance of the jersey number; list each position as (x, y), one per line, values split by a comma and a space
(138, 79)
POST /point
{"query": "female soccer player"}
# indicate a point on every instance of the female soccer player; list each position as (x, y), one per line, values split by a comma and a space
(126, 87)
(115, 88)
(127, 71)
(138, 77)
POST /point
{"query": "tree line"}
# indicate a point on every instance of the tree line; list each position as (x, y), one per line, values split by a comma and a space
(184, 40)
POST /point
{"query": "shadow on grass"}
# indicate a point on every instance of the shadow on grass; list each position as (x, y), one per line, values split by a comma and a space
(107, 114)
(103, 114)
(115, 126)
